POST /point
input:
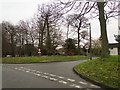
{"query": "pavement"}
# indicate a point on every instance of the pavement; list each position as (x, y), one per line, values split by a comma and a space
(43, 75)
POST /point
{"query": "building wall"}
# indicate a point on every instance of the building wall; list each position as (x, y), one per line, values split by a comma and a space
(113, 51)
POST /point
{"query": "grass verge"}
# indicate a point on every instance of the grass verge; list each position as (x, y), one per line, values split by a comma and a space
(41, 59)
(104, 70)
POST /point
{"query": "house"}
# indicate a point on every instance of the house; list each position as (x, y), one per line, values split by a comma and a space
(114, 48)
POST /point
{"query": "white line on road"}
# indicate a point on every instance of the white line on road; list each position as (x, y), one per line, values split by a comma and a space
(44, 76)
(61, 81)
(72, 85)
(53, 79)
(38, 72)
(72, 80)
(60, 77)
(77, 86)
(16, 68)
(27, 71)
(83, 83)
(95, 86)
(46, 73)
(52, 75)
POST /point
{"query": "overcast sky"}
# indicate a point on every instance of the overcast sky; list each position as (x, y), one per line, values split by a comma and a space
(15, 10)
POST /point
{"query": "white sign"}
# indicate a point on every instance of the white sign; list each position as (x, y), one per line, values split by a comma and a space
(39, 50)
(87, 47)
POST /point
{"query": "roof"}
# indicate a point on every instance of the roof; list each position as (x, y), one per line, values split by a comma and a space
(113, 45)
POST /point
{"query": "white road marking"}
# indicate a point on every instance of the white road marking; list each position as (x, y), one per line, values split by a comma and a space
(83, 83)
(46, 73)
(72, 80)
(60, 77)
(72, 85)
(61, 81)
(94, 86)
(38, 72)
(27, 71)
(77, 86)
(52, 75)
(44, 76)
(16, 68)
(54, 79)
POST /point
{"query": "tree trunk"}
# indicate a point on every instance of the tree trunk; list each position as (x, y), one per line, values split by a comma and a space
(42, 33)
(48, 41)
(79, 37)
(39, 40)
(105, 49)
(41, 43)
(12, 46)
(67, 30)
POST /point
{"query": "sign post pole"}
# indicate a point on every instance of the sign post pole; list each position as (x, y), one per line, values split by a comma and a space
(87, 47)
(39, 52)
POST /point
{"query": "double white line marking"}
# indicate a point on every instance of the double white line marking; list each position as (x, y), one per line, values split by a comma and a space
(72, 80)
(52, 77)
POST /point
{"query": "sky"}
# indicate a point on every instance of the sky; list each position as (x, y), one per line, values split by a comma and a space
(16, 10)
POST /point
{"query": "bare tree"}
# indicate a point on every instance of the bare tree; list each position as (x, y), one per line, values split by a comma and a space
(47, 19)
(78, 22)
(104, 10)
(79, 19)
(11, 32)
(5, 40)
(22, 36)
(104, 15)
(32, 31)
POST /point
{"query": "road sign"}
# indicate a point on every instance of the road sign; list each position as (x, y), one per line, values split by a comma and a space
(39, 51)
(87, 47)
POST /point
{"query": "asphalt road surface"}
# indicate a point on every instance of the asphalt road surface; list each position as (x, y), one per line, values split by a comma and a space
(43, 75)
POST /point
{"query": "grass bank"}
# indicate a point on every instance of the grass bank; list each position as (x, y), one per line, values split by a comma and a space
(41, 59)
(104, 70)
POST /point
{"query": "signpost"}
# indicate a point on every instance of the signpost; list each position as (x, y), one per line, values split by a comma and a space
(39, 52)
(87, 47)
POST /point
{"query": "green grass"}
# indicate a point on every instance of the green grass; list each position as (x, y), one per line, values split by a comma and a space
(104, 70)
(41, 59)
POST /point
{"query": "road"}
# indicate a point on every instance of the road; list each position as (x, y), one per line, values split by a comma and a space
(43, 75)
